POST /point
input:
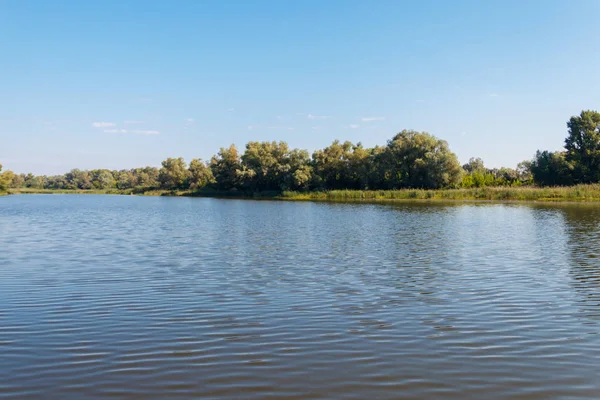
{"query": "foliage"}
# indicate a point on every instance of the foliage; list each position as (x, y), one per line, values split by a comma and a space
(225, 167)
(419, 160)
(6, 178)
(551, 169)
(583, 146)
(410, 160)
(200, 174)
(273, 166)
(342, 166)
(173, 174)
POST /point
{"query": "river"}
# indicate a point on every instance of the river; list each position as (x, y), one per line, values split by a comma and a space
(152, 297)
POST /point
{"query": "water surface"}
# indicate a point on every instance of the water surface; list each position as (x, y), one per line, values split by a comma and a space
(133, 297)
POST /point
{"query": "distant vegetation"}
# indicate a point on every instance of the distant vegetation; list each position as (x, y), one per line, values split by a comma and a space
(410, 160)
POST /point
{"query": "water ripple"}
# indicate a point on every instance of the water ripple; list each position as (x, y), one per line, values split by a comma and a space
(130, 297)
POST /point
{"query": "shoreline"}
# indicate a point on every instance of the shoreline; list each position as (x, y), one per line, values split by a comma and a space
(572, 194)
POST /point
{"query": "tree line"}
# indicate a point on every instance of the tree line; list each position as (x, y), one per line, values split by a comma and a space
(408, 160)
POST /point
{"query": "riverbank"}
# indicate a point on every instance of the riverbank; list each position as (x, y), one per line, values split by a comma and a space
(579, 193)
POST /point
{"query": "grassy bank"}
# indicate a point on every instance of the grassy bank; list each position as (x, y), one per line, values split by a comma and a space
(150, 192)
(572, 193)
(580, 193)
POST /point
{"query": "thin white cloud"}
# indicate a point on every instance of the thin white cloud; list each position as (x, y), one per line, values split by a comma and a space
(115, 130)
(353, 126)
(133, 122)
(310, 116)
(250, 127)
(494, 95)
(288, 128)
(279, 117)
(369, 119)
(103, 124)
(188, 122)
(142, 132)
(136, 131)
(231, 109)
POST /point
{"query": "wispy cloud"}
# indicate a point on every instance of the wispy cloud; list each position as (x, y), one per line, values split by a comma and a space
(370, 119)
(494, 95)
(142, 132)
(353, 126)
(231, 109)
(287, 128)
(103, 124)
(279, 117)
(136, 131)
(188, 123)
(133, 122)
(311, 116)
(250, 127)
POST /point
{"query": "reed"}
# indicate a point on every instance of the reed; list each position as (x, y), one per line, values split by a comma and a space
(579, 193)
(522, 193)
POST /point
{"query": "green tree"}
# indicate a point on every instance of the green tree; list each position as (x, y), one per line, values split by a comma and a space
(273, 166)
(331, 165)
(200, 174)
(102, 179)
(551, 169)
(78, 179)
(342, 166)
(173, 174)
(18, 181)
(225, 167)
(6, 178)
(474, 165)
(125, 179)
(419, 160)
(524, 170)
(583, 146)
(146, 177)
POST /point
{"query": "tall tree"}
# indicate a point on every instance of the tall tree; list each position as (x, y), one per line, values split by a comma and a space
(173, 174)
(551, 169)
(420, 160)
(6, 179)
(583, 146)
(474, 164)
(225, 167)
(200, 174)
(273, 166)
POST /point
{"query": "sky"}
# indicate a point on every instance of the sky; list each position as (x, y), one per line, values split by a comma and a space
(123, 84)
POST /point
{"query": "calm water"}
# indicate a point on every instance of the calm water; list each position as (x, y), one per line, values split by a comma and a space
(132, 297)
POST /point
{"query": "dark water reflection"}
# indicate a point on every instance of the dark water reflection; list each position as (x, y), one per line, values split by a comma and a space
(129, 297)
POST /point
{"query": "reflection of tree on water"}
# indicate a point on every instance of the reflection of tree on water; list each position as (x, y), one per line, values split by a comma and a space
(583, 230)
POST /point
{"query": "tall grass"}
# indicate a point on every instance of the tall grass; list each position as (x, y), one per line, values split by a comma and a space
(528, 193)
(521, 193)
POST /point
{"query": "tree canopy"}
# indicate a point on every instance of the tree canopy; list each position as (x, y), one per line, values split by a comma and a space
(410, 159)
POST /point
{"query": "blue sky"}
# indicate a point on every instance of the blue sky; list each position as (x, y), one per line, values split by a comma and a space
(121, 84)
